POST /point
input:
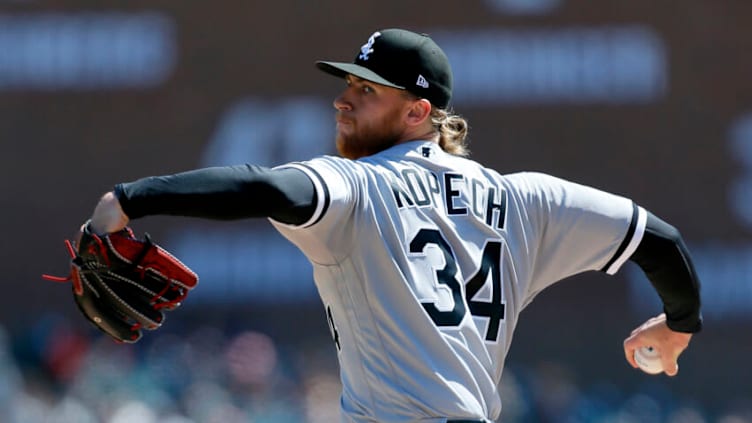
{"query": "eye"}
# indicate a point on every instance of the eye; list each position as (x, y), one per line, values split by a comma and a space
(367, 89)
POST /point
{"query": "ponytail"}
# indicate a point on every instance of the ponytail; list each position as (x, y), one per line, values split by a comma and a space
(452, 130)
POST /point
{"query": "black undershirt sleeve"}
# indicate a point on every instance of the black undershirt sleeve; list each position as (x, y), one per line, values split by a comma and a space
(666, 262)
(286, 195)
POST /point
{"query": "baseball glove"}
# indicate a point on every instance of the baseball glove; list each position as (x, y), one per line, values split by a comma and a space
(123, 284)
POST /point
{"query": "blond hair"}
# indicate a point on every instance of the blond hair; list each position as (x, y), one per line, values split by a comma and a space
(452, 129)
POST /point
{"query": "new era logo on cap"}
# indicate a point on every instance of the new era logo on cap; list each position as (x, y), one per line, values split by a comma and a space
(393, 57)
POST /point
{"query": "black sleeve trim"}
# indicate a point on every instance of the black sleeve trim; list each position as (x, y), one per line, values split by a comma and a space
(627, 239)
(666, 262)
(321, 188)
(233, 192)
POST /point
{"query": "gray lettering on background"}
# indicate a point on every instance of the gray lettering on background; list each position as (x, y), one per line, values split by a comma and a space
(578, 65)
(86, 50)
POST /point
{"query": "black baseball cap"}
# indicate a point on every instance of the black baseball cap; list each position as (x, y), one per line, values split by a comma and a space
(401, 59)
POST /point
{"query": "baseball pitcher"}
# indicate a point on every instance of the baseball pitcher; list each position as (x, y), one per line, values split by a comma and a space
(424, 258)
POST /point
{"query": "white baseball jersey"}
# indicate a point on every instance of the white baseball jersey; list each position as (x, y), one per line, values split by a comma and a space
(424, 261)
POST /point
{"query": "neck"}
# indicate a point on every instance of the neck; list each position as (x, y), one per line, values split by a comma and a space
(423, 134)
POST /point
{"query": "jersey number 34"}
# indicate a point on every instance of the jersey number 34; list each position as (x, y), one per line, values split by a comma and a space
(489, 264)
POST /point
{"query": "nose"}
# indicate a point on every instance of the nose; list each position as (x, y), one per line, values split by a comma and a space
(341, 103)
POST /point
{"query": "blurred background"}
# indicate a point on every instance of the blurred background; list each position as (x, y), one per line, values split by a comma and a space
(651, 100)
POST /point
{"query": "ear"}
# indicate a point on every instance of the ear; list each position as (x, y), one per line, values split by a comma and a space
(419, 111)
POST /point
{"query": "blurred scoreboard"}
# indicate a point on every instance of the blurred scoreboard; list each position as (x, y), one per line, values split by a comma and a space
(637, 98)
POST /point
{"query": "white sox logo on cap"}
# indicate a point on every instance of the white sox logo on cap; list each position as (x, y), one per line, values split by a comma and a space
(367, 48)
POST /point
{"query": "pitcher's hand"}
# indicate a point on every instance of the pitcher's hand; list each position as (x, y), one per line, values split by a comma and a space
(655, 333)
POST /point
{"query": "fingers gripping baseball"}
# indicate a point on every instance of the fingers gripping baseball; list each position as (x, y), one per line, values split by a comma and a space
(122, 284)
(655, 334)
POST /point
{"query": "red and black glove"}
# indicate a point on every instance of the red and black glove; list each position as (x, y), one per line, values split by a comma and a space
(123, 284)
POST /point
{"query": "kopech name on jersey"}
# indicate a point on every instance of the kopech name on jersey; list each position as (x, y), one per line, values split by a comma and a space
(455, 193)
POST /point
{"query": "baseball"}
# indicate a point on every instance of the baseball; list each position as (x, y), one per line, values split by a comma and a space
(649, 360)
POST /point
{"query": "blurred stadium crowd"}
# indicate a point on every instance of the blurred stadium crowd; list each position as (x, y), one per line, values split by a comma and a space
(57, 374)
